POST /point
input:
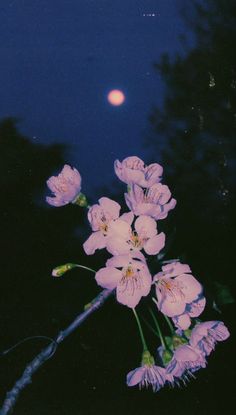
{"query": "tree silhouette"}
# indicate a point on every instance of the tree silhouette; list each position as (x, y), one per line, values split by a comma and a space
(197, 125)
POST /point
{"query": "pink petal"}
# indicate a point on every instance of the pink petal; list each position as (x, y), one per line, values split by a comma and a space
(71, 175)
(133, 176)
(118, 261)
(119, 229)
(117, 246)
(146, 226)
(130, 290)
(176, 268)
(171, 307)
(95, 241)
(56, 201)
(155, 244)
(135, 376)
(189, 286)
(186, 354)
(108, 277)
(127, 217)
(153, 173)
(127, 294)
(110, 206)
(183, 322)
(197, 307)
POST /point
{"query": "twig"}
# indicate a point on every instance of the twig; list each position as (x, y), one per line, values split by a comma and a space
(48, 352)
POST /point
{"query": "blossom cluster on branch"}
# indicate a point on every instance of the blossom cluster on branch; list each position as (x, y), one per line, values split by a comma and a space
(131, 238)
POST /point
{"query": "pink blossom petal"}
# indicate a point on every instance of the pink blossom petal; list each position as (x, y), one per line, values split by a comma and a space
(95, 241)
(130, 290)
(171, 307)
(145, 226)
(190, 287)
(117, 245)
(186, 353)
(119, 229)
(119, 261)
(108, 277)
(176, 268)
(127, 217)
(182, 322)
(153, 173)
(135, 376)
(155, 244)
(128, 294)
(196, 308)
(51, 183)
(71, 175)
(110, 206)
(56, 201)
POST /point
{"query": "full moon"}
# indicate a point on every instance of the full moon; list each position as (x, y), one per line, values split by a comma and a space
(116, 97)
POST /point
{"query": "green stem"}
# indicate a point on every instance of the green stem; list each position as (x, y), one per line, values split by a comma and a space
(150, 327)
(169, 324)
(140, 330)
(163, 342)
(83, 266)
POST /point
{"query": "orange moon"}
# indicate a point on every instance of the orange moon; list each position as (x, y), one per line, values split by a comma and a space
(116, 97)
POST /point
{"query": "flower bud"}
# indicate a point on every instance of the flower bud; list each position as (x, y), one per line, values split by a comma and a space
(62, 269)
(178, 341)
(166, 356)
(147, 358)
(81, 200)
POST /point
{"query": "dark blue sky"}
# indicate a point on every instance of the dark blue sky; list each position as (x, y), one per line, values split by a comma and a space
(60, 58)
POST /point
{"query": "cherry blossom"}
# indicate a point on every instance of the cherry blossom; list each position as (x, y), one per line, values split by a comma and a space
(132, 170)
(122, 239)
(177, 291)
(148, 374)
(186, 359)
(100, 217)
(66, 186)
(193, 309)
(205, 335)
(129, 275)
(155, 201)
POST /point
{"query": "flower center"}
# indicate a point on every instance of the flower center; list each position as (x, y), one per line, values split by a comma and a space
(172, 288)
(136, 241)
(129, 272)
(103, 224)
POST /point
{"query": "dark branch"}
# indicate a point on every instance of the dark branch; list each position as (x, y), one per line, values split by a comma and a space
(48, 352)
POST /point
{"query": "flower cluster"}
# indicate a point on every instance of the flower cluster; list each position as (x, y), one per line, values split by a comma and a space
(130, 238)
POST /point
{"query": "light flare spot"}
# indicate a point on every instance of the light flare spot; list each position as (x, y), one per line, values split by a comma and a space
(116, 97)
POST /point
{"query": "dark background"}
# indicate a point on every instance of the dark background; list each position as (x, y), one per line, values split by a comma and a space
(190, 131)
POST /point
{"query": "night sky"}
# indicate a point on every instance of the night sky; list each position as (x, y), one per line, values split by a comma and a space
(61, 58)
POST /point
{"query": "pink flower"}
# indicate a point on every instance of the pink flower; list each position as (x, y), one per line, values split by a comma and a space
(132, 170)
(122, 239)
(148, 374)
(66, 186)
(193, 309)
(130, 276)
(100, 217)
(186, 360)
(155, 201)
(205, 335)
(176, 290)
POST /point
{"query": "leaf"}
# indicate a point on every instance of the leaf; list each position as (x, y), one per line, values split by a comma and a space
(223, 294)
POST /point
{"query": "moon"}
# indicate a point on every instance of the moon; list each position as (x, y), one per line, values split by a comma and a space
(116, 97)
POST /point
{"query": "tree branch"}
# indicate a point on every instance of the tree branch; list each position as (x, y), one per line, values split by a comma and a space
(47, 352)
